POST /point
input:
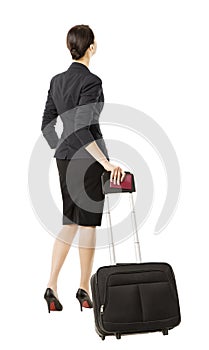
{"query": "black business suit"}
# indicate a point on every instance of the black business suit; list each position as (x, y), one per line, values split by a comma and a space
(76, 95)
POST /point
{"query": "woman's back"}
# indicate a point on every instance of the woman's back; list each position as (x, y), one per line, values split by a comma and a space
(77, 96)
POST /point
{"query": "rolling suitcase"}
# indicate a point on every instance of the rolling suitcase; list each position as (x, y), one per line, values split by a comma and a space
(136, 297)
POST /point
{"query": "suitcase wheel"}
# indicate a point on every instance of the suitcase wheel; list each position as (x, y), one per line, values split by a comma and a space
(102, 337)
(118, 335)
(165, 331)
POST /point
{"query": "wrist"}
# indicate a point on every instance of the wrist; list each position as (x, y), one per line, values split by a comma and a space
(104, 161)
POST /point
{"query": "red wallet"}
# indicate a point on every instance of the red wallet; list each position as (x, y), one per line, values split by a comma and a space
(125, 184)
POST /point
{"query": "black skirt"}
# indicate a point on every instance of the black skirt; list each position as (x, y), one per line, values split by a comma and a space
(82, 196)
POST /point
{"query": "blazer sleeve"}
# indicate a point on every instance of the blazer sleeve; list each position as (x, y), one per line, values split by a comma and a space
(49, 120)
(88, 104)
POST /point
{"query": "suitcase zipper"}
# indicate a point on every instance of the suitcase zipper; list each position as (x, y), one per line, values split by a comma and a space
(102, 309)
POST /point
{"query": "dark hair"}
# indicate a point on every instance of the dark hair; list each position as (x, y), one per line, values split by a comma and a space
(79, 38)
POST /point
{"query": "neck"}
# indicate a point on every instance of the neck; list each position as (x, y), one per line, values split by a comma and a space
(83, 60)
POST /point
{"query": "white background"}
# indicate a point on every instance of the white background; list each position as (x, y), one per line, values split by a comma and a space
(153, 56)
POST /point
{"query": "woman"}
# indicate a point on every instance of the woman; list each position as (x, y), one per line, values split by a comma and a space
(81, 156)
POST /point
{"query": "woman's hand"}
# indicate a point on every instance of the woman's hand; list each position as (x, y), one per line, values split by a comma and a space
(117, 173)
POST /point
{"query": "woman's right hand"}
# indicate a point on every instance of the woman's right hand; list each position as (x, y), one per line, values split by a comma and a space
(117, 173)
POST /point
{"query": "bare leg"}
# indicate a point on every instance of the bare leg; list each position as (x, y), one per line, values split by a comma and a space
(87, 242)
(60, 250)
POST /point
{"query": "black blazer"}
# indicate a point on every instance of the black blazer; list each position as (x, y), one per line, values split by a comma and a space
(76, 95)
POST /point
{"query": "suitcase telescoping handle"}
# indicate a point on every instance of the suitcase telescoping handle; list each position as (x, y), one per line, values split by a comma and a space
(108, 188)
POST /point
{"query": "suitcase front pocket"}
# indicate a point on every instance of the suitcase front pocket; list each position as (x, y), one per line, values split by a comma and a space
(123, 304)
(139, 302)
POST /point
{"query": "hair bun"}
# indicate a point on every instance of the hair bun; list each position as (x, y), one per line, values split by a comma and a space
(75, 53)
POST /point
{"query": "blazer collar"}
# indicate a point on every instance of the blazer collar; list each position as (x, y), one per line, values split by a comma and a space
(78, 65)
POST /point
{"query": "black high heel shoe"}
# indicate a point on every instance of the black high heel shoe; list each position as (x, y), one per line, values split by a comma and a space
(52, 301)
(84, 299)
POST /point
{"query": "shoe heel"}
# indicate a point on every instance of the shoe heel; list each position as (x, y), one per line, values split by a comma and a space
(48, 307)
(80, 301)
(81, 305)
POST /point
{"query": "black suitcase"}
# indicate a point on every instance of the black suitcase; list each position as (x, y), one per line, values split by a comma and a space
(133, 298)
